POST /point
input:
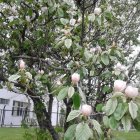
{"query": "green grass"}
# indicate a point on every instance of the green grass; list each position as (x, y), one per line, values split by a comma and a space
(17, 134)
(11, 133)
(132, 135)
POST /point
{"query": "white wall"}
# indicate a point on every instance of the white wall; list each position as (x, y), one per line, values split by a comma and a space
(16, 120)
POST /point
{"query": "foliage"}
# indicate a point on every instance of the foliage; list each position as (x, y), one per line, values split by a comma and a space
(62, 37)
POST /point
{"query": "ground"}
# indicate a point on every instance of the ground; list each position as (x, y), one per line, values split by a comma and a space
(18, 133)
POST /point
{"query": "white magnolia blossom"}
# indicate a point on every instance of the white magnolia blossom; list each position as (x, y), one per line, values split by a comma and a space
(119, 86)
(131, 92)
(72, 22)
(97, 11)
(120, 67)
(92, 50)
(75, 78)
(44, 9)
(86, 110)
(28, 18)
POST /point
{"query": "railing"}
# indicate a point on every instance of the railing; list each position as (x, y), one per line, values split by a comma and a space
(10, 119)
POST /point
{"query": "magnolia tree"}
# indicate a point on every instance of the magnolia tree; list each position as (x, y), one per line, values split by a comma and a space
(71, 50)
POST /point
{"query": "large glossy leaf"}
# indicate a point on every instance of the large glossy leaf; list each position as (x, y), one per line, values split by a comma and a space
(113, 123)
(14, 77)
(136, 125)
(83, 132)
(126, 121)
(133, 108)
(76, 100)
(105, 58)
(71, 91)
(97, 127)
(70, 133)
(73, 114)
(120, 110)
(63, 93)
(82, 94)
(106, 121)
(68, 43)
(111, 106)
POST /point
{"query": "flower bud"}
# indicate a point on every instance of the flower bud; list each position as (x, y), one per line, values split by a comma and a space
(22, 64)
(119, 86)
(97, 11)
(75, 78)
(86, 110)
(131, 92)
(41, 71)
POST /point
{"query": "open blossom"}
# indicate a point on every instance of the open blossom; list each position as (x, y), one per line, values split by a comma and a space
(97, 11)
(93, 50)
(86, 110)
(131, 92)
(120, 67)
(22, 64)
(119, 86)
(44, 9)
(72, 22)
(75, 78)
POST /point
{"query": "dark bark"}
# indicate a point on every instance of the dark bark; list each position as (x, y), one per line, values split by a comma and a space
(50, 105)
(44, 118)
(68, 110)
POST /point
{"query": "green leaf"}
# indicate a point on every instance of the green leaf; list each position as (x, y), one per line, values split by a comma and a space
(13, 78)
(91, 17)
(60, 12)
(63, 93)
(82, 94)
(136, 125)
(105, 58)
(120, 110)
(99, 107)
(97, 127)
(71, 91)
(133, 108)
(111, 106)
(126, 121)
(73, 114)
(70, 133)
(106, 121)
(113, 123)
(29, 75)
(64, 21)
(83, 132)
(76, 101)
(68, 43)
(117, 94)
(87, 55)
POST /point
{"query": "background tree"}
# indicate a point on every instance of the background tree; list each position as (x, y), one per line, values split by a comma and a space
(62, 38)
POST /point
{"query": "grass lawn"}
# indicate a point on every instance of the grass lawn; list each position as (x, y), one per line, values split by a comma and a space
(11, 133)
(17, 134)
(132, 135)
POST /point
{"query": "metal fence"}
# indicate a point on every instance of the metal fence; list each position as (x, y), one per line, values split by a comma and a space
(8, 118)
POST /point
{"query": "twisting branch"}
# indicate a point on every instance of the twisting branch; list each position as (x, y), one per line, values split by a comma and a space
(42, 60)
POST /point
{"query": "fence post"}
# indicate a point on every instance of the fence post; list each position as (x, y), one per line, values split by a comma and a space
(3, 116)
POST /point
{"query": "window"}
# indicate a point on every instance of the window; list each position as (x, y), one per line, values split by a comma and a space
(20, 109)
(4, 101)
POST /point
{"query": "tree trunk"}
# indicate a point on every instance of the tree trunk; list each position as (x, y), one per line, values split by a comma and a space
(44, 119)
(68, 110)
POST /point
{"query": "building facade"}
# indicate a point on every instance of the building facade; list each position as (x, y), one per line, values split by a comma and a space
(14, 108)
